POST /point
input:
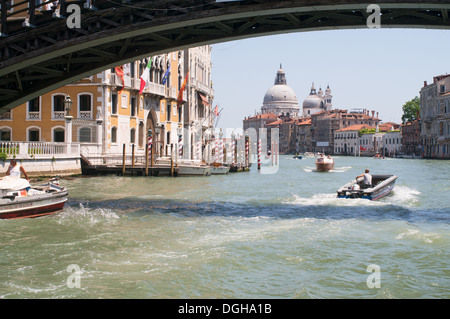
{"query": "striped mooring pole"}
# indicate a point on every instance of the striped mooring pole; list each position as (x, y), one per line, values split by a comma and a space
(259, 153)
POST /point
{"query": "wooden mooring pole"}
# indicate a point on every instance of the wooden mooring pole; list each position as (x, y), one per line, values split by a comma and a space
(123, 160)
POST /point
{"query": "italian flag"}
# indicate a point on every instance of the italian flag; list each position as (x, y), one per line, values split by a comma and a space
(145, 75)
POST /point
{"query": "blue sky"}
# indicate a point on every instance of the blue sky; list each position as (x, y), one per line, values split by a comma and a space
(376, 69)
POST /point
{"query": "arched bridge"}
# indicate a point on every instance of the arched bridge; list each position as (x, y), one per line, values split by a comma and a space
(41, 50)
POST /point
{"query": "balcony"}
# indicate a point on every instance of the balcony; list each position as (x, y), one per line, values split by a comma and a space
(85, 115)
(34, 116)
(171, 93)
(136, 84)
(58, 115)
(157, 89)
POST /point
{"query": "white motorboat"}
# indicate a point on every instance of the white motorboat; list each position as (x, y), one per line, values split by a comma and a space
(185, 167)
(21, 200)
(324, 163)
(219, 169)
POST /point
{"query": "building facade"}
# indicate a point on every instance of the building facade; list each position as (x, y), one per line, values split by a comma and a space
(435, 117)
(108, 111)
(198, 110)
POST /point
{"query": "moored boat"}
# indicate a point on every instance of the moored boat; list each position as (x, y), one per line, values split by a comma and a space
(219, 169)
(185, 167)
(382, 185)
(324, 163)
(32, 201)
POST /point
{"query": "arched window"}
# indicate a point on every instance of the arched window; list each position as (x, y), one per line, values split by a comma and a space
(133, 135)
(114, 134)
(58, 134)
(5, 134)
(84, 135)
(58, 111)
(34, 109)
(34, 134)
(85, 106)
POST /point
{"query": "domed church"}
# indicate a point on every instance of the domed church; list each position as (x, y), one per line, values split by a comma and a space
(317, 102)
(280, 99)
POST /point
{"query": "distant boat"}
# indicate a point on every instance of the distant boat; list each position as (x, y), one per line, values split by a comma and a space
(219, 169)
(298, 156)
(382, 185)
(324, 163)
(34, 201)
(185, 167)
(309, 154)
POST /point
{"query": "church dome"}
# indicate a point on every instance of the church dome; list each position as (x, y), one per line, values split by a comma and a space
(280, 97)
(280, 94)
(313, 101)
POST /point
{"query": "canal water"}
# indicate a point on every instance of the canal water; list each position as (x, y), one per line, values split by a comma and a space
(243, 235)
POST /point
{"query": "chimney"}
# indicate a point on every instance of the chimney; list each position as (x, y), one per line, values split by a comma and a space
(424, 83)
(377, 115)
(373, 113)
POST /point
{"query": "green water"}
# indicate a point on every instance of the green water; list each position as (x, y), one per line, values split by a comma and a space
(243, 235)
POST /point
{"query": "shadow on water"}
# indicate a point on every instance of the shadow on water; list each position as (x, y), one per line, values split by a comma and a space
(344, 209)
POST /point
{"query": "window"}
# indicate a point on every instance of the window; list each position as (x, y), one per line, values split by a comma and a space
(133, 135)
(58, 135)
(5, 134)
(33, 135)
(113, 103)
(168, 111)
(34, 109)
(84, 135)
(133, 106)
(114, 135)
(85, 106)
(58, 106)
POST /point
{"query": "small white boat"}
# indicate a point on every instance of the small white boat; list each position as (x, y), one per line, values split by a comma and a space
(185, 167)
(324, 163)
(31, 201)
(219, 169)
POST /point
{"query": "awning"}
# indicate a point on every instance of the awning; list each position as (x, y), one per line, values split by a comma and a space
(203, 99)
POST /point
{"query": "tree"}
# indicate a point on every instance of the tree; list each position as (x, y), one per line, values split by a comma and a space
(411, 110)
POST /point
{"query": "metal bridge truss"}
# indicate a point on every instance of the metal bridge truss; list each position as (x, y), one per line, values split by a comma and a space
(39, 52)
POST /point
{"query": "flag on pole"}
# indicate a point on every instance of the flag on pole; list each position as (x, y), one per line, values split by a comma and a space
(216, 111)
(180, 93)
(166, 75)
(119, 72)
(145, 77)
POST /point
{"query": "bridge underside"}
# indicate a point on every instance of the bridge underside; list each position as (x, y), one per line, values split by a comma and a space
(39, 59)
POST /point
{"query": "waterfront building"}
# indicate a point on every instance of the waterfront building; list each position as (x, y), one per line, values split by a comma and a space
(435, 117)
(198, 110)
(392, 143)
(347, 142)
(107, 111)
(302, 131)
(410, 133)
(325, 123)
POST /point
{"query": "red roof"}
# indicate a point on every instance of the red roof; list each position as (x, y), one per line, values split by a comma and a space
(356, 127)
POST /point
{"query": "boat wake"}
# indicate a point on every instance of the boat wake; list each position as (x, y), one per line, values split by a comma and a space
(401, 196)
(82, 213)
(309, 169)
